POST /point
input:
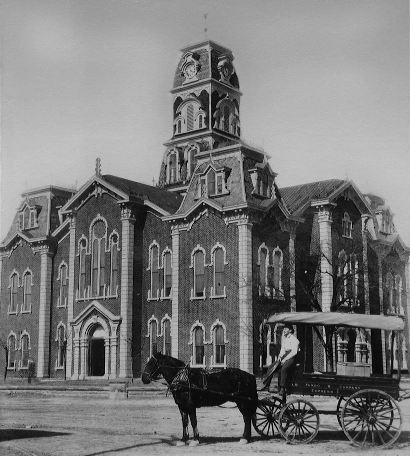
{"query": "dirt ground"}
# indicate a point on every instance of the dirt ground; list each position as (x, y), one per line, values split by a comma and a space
(84, 424)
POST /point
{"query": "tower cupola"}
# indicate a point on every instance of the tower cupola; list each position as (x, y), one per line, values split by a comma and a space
(206, 99)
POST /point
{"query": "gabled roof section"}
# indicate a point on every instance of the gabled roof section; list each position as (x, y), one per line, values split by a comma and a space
(95, 307)
(298, 197)
(151, 196)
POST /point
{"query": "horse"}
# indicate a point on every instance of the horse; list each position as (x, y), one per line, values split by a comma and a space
(194, 388)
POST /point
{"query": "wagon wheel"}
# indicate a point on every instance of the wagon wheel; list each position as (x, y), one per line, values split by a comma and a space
(371, 418)
(299, 421)
(340, 404)
(266, 418)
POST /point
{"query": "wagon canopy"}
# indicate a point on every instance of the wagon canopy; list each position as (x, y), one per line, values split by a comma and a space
(390, 323)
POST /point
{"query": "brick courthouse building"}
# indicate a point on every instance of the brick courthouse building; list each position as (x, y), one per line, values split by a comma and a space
(96, 280)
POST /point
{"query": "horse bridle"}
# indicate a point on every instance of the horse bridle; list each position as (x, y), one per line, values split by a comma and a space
(157, 368)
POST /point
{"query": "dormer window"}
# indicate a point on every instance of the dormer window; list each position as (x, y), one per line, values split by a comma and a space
(262, 182)
(227, 116)
(213, 183)
(27, 218)
(347, 226)
(386, 223)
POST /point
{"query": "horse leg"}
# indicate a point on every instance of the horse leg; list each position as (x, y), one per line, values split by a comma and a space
(247, 418)
(194, 422)
(185, 433)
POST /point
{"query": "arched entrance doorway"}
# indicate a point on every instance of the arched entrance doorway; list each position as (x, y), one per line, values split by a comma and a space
(96, 352)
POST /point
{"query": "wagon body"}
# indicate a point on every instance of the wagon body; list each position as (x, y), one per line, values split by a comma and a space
(367, 408)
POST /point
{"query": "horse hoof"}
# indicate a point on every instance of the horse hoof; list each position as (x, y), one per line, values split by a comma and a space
(194, 443)
(243, 442)
(180, 443)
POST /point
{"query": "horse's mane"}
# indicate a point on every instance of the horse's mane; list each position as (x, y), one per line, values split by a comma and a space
(169, 360)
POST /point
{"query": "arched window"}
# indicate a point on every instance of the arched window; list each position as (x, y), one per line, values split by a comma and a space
(390, 291)
(114, 265)
(200, 121)
(219, 345)
(82, 269)
(11, 345)
(263, 270)
(277, 272)
(198, 346)
(351, 280)
(153, 337)
(219, 272)
(25, 351)
(98, 258)
(179, 126)
(167, 274)
(63, 295)
(14, 281)
(154, 267)
(166, 331)
(199, 274)
(26, 218)
(211, 182)
(346, 225)
(173, 168)
(61, 350)
(397, 308)
(27, 282)
(226, 118)
(190, 117)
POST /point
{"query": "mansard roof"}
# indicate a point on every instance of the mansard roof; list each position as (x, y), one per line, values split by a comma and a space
(46, 201)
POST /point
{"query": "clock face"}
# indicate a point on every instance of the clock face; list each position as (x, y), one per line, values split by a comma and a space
(190, 71)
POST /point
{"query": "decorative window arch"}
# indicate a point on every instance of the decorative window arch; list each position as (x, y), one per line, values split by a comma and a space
(153, 335)
(13, 285)
(173, 166)
(63, 291)
(114, 242)
(227, 116)
(347, 225)
(190, 151)
(167, 273)
(27, 286)
(218, 334)
(12, 348)
(263, 263)
(61, 339)
(190, 116)
(153, 267)
(82, 274)
(218, 261)
(25, 348)
(98, 240)
(198, 344)
(198, 265)
(166, 335)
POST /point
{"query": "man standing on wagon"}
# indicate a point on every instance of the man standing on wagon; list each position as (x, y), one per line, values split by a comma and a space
(286, 362)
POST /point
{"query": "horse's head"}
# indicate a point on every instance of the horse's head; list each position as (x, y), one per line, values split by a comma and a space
(152, 370)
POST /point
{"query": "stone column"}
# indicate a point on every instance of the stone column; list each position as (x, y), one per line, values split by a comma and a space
(326, 267)
(43, 355)
(71, 295)
(113, 350)
(107, 358)
(245, 296)
(383, 333)
(127, 269)
(83, 348)
(365, 217)
(76, 355)
(175, 292)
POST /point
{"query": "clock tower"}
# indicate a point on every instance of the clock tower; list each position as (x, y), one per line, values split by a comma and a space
(206, 99)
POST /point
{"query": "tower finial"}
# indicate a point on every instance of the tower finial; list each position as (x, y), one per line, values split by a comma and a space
(205, 27)
(98, 167)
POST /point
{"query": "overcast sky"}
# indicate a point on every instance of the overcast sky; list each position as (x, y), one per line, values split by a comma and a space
(325, 89)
